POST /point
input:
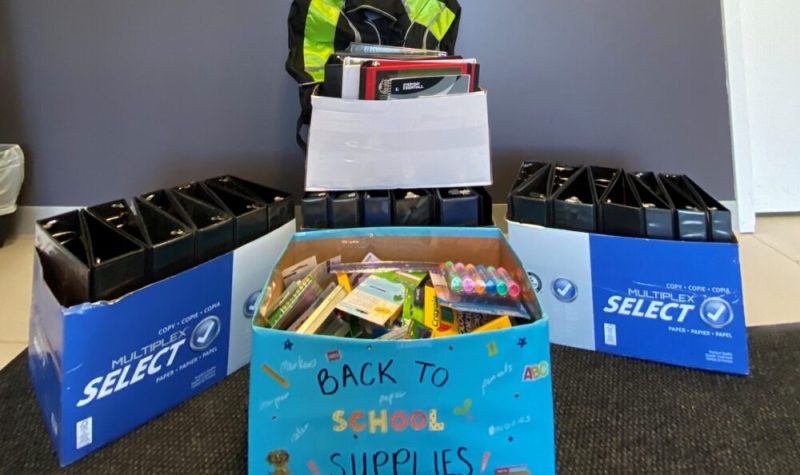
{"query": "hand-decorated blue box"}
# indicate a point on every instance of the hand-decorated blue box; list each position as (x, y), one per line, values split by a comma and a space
(469, 404)
(674, 302)
(102, 369)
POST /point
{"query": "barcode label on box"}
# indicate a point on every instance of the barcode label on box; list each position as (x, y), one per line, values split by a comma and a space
(83, 433)
(611, 334)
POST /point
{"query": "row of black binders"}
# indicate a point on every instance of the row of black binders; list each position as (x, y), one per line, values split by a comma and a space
(612, 201)
(378, 208)
(105, 251)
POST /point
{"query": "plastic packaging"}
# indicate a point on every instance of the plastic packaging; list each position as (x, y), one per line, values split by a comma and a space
(12, 173)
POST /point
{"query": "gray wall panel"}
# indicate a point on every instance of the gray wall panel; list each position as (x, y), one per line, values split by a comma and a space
(112, 99)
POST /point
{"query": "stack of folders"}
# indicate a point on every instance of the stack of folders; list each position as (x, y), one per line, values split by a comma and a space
(471, 206)
(612, 201)
(391, 300)
(372, 72)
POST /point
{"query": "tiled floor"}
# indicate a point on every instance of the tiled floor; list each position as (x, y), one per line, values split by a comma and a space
(16, 273)
(770, 271)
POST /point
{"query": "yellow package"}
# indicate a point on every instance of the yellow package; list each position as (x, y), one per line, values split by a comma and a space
(496, 324)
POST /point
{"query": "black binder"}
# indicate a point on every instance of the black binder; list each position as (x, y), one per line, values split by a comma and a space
(377, 208)
(164, 201)
(720, 216)
(213, 227)
(119, 214)
(659, 214)
(621, 208)
(413, 208)
(118, 262)
(691, 214)
(530, 201)
(560, 175)
(574, 203)
(458, 207)
(314, 208)
(279, 204)
(171, 242)
(486, 216)
(345, 210)
(249, 215)
(526, 171)
(62, 248)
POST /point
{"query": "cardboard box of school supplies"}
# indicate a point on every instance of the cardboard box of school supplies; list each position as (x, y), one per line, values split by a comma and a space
(634, 264)
(470, 403)
(101, 369)
(675, 302)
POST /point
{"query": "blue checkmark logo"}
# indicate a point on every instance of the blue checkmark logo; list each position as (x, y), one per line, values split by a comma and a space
(565, 290)
(205, 333)
(716, 312)
(251, 304)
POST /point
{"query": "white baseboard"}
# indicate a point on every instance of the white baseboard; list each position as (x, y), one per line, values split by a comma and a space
(26, 216)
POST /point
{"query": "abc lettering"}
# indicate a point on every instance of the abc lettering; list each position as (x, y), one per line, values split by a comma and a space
(118, 379)
(652, 309)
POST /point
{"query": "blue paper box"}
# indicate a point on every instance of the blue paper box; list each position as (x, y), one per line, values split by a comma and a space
(470, 404)
(674, 302)
(101, 369)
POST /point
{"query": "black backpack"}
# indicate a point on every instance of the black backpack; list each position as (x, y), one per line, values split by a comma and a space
(319, 28)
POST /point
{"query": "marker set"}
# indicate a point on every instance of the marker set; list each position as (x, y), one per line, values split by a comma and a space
(612, 201)
(107, 250)
(376, 208)
(488, 281)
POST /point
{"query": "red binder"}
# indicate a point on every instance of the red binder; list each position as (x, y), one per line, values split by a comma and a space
(374, 73)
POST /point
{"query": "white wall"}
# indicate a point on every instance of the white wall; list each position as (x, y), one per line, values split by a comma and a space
(770, 92)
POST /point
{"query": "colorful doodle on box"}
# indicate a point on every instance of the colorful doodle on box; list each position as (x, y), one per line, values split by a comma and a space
(427, 407)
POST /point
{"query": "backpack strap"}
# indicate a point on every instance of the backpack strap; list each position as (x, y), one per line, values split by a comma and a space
(433, 24)
(305, 92)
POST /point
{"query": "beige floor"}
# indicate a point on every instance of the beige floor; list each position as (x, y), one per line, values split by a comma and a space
(770, 270)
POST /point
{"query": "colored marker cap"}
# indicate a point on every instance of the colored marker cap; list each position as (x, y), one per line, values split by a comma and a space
(502, 288)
